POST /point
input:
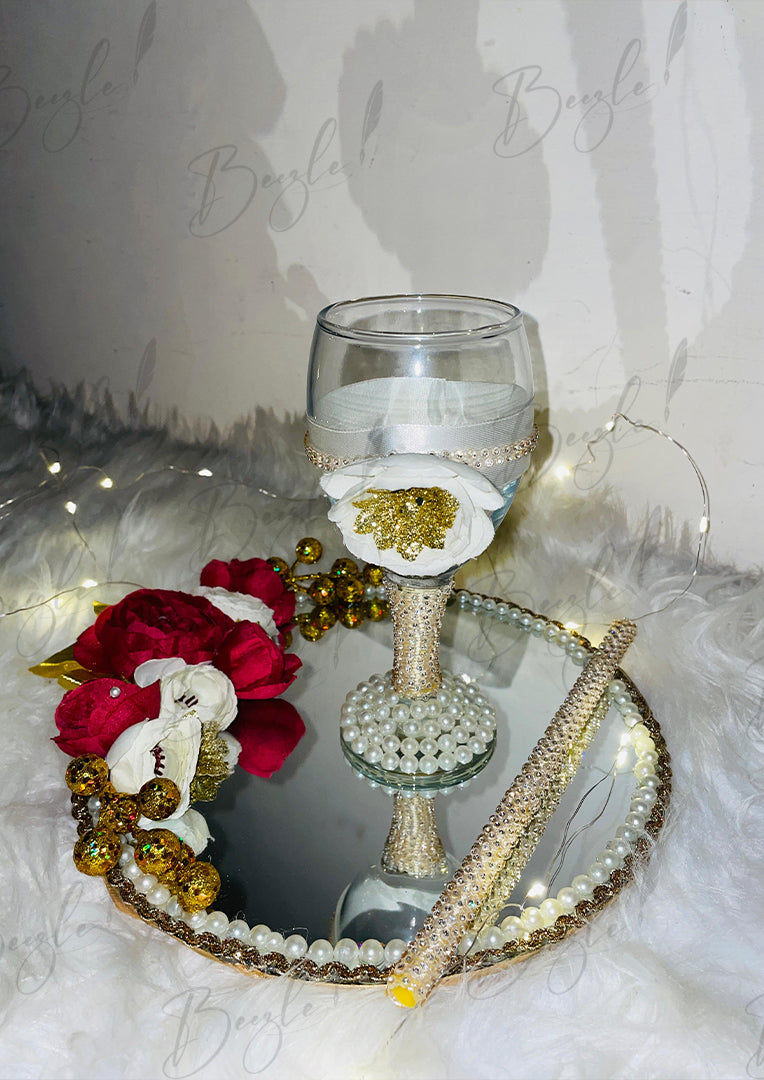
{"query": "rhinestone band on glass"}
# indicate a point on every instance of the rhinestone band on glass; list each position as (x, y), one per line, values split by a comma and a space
(482, 458)
(261, 950)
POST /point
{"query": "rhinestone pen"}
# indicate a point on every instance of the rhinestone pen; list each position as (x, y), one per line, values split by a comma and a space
(430, 953)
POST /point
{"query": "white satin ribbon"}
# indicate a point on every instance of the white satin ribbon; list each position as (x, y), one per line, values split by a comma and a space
(373, 419)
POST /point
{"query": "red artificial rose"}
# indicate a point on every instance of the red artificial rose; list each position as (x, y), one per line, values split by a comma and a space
(255, 577)
(256, 666)
(268, 732)
(89, 718)
(152, 624)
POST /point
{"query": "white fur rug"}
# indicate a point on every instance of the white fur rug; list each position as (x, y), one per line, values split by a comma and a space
(668, 982)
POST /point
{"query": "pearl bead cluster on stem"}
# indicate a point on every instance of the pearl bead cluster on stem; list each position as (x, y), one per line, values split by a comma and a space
(401, 738)
(415, 975)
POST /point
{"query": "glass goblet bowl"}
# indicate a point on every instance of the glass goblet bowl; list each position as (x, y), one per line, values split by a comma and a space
(427, 374)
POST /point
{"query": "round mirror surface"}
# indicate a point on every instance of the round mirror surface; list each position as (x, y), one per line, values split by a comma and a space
(286, 847)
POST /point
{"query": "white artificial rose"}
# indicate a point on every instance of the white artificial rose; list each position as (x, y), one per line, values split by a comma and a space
(167, 746)
(472, 529)
(150, 671)
(203, 689)
(238, 606)
(191, 828)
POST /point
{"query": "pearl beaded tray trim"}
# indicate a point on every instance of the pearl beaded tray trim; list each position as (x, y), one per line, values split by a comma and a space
(260, 951)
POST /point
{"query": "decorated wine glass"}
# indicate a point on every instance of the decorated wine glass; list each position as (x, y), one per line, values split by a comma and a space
(420, 416)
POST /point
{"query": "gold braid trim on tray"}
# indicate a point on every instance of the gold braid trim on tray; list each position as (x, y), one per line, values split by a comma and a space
(462, 901)
(252, 962)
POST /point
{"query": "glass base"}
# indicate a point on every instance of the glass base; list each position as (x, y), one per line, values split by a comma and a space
(385, 906)
(420, 745)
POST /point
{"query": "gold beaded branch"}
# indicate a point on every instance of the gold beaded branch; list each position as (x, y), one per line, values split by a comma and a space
(463, 899)
(338, 593)
(157, 851)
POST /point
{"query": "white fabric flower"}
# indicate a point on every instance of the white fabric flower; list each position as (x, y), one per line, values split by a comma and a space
(192, 828)
(167, 746)
(470, 534)
(203, 689)
(237, 606)
(150, 671)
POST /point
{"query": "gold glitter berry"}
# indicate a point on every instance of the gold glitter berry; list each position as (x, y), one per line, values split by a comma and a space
(87, 775)
(344, 568)
(322, 590)
(198, 886)
(156, 850)
(349, 589)
(97, 852)
(158, 798)
(308, 550)
(372, 574)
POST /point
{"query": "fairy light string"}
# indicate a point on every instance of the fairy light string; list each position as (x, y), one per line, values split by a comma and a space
(477, 886)
(59, 480)
(704, 525)
(520, 855)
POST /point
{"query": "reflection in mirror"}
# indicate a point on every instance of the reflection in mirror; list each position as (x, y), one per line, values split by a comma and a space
(287, 847)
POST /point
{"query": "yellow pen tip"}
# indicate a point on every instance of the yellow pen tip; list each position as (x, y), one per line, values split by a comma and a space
(403, 996)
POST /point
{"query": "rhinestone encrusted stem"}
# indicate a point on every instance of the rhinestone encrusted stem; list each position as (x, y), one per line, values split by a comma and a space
(427, 957)
(513, 868)
(417, 613)
(413, 846)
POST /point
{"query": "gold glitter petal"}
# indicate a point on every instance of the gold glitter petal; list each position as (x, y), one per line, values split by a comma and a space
(211, 766)
(408, 519)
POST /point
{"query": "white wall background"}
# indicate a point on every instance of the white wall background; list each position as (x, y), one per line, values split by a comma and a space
(186, 182)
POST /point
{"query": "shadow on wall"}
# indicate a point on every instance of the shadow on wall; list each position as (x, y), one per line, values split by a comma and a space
(241, 297)
(438, 197)
(459, 218)
(624, 175)
(150, 224)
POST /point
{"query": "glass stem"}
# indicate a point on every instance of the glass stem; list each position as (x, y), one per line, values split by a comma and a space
(413, 845)
(417, 612)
